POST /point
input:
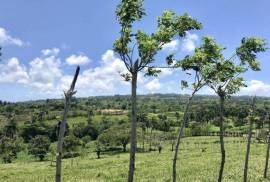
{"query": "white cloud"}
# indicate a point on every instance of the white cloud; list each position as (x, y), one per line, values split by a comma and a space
(189, 42)
(44, 71)
(77, 60)
(13, 72)
(103, 79)
(6, 39)
(166, 72)
(172, 46)
(256, 87)
(50, 52)
(153, 85)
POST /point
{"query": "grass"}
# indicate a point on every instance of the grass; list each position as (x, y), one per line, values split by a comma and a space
(193, 165)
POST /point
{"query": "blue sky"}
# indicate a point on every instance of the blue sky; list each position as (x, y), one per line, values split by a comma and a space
(44, 40)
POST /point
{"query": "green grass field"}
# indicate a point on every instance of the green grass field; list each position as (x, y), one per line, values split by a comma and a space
(194, 165)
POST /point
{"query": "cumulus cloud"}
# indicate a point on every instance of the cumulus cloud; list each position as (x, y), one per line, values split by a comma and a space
(172, 46)
(105, 77)
(77, 60)
(44, 72)
(189, 42)
(7, 39)
(153, 85)
(256, 87)
(13, 72)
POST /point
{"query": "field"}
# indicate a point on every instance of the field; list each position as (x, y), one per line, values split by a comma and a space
(198, 162)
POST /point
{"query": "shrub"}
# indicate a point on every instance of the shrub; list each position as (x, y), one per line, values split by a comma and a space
(9, 147)
(71, 146)
(39, 146)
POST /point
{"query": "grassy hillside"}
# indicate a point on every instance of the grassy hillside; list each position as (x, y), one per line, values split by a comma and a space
(194, 164)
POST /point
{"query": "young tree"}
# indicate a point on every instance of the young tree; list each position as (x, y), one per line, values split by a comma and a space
(142, 119)
(68, 96)
(147, 46)
(268, 149)
(195, 65)
(224, 78)
(251, 120)
(39, 146)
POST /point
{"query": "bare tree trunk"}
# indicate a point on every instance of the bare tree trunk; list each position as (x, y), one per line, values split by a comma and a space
(68, 96)
(180, 134)
(133, 133)
(143, 139)
(249, 140)
(248, 151)
(267, 152)
(150, 143)
(221, 137)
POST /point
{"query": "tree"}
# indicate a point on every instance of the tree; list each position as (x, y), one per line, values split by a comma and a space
(195, 65)
(251, 119)
(11, 128)
(224, 77)
(68, 96)
(169, 25)
(143, 120)
(39, 146)
(9, 147)
(71, 146)
(268, 149)
(115, 136)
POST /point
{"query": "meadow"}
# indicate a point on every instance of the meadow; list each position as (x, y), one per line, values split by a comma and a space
(198, 161)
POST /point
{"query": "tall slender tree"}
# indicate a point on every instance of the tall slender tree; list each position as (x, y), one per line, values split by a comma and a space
(195, 66)
(147, 46)
(268, 149)
(251, 120)
(225, 78)
(68, 96)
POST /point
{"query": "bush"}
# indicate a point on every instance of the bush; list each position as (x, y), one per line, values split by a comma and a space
(9, 147)
(199, 129)
(71, 146)
(39, 146)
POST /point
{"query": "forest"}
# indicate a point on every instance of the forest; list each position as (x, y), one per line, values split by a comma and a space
(184, 136)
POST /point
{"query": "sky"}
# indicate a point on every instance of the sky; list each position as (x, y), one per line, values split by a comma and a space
(44, 40)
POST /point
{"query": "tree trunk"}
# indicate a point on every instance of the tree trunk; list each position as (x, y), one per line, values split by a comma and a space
(267, 152)
(133, 133)
(249, 140)
(180, 134)
(150, 143)
(248, 151)
(221, 137)
(62, 129)
(142, 139)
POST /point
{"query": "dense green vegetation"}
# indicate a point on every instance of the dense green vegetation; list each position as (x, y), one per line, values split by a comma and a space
(200, 162)
(101, 124)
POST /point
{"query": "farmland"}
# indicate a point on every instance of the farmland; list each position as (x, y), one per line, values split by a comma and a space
(194, 165)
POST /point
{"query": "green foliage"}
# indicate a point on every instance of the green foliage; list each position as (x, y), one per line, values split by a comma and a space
(199, 129)
(30, 130)
(39, 146)
(81, 130)
(71, 146)
(221, 74)
(9, 148)
(115, 136)
(147, 45)
(248, 50)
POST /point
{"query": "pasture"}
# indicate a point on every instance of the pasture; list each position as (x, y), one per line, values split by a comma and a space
(198, 161)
